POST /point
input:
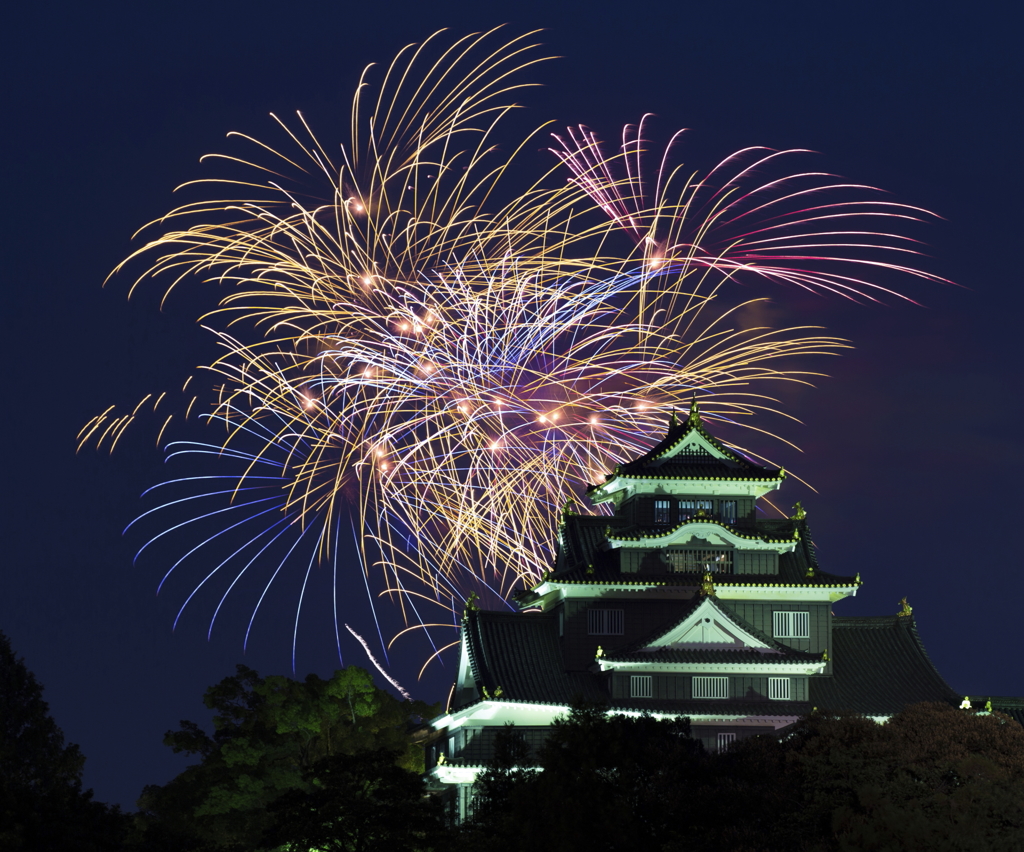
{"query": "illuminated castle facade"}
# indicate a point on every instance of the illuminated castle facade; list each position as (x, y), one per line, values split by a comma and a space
(681, 603)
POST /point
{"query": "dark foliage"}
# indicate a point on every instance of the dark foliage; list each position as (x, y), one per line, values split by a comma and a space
(273, 737)
(42, 804)
(357, 803)
(933, 778)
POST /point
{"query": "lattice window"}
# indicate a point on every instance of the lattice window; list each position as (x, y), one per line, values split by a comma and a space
(689, 508)
(662, 511)
(641, 686)
(778, 688)
(605, 622)
(710, 687)
(791, 625)
(696, 561)
(727, 511)
(725, 740)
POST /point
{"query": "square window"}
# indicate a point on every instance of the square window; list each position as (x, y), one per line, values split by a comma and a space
(710, 687)
(778, 688)
(641, 686)
(727, 512)
(791, 625)
(725, 740)
(662, 511)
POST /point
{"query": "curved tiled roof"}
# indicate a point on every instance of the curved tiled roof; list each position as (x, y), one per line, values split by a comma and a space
(520, 653)
(879, 666)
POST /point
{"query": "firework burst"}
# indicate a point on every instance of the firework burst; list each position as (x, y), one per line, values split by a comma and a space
(419, 353)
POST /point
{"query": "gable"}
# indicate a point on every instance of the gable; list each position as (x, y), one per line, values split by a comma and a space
(693, 442)
(708, 628)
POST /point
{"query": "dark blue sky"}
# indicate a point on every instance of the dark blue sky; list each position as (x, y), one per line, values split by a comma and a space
(913, 443)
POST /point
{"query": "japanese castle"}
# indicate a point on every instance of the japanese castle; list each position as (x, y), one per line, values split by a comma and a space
(681, 603)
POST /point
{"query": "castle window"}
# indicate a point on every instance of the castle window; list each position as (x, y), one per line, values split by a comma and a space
(689, 508)
(710, 687)
(662, 510)
(699, 561)
(640, 686)
(604, 622)
(778, 688)
(727, 511)
(725, 740)
(791, 625)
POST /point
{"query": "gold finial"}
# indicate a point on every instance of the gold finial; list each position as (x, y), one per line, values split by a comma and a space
(673, 421)
(600, 653)
(906, 608)
(471, 604)
(988, 706)
(441, 759)
(486, 694)
(707, 585)
(800, 512)
(824, 656)
(810, 571)
(694, 410)
(857, 579)
(498, 692)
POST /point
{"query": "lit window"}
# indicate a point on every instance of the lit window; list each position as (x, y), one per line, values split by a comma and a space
(640, 686)
(604, 622)
(725, 740)
(728, 511)
(662, 510)
(778, 688)
(699, 561)
(792, 625)
(711, 687)
(689, 508)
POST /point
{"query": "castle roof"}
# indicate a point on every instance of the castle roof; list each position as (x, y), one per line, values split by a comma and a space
(688, 452)
(879, 666)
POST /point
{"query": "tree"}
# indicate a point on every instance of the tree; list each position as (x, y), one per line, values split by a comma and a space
(599, 782)
(42, 804)
(268, 734)
(932, 778)
(363, 802)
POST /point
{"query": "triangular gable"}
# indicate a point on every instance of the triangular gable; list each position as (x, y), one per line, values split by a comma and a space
(693, 441)
(708, 628)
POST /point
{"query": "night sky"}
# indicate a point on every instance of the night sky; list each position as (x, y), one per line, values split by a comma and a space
(913, 443)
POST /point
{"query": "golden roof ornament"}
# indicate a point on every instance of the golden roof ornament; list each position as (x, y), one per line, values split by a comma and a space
(707, 584)
(673, 421)
(471, 604)
(906, 609)
(694, 417)
(600, 653)
(824, 656)
(486, 694)
(441, 759)
(966, 703)
(499, 692)
(988, 706)
(800, 512)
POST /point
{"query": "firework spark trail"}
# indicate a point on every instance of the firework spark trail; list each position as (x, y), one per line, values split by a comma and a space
(452, 358)
(378, 666)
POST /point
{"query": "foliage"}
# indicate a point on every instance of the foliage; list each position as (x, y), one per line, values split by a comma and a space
(42, 804)
(268, 735)
(933, 778)
(606, 782)
(357, 803)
